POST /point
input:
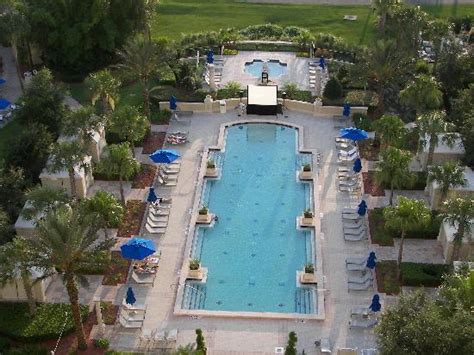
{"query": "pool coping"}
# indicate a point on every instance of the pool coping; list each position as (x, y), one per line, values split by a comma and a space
(319, 288)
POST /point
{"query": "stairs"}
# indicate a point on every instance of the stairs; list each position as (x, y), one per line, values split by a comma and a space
(194, 296)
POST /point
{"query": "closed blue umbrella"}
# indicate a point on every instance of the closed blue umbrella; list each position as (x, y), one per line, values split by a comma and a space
(138, 248)
(346, 111)
(173, 103)
(362, 210)
(375, 306)
(371, 260)
(130, 299)
(152, 195)
(4, 103)
(357, 166)
(322, 63)
(2, 81)
(354, 134)
(165, 156)
(210, 57)
(362, 203)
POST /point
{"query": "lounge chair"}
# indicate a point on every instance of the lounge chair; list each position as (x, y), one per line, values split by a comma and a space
(166, 176)
(349, 183)
(351, 216)
(355, 231)
(152, 230)
(153, 224)
(348, 177)
(163, 200)
(360, 311)
(348, 152)
(349, 210)
(362, 278)
(158, 219)
(158, 212)
(352, 224)
(356, 267)
(359, 287)
(348, 159)
(356, 260)
(363, 323)
(170, 169)
(344, 169)
(166, 182)
(355, 237)
(341, 140)
(350, 189)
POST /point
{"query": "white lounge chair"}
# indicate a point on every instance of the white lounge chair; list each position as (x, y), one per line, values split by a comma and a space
(351, 216)
(351, 151)
(348, 158)
(360, 311)
(158, 219)
(167, 182)
(163, 201)
(349, 210)
(353, 224)
(350, 189)
(354, 231)
(355, 237)
(361, 279)
(356, 267)
(167, 177)
(356, 260)
(170, 170)
(153, 224)
(159, 212)
(363, 323)
(359, 287)
(152, 230)
(341, 140)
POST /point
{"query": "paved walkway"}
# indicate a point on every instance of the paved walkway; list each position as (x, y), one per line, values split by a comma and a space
(414, 250)
(11, 90)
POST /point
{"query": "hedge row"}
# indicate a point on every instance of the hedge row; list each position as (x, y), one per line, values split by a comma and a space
(427, 275)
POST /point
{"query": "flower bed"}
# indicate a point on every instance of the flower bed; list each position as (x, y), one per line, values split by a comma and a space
(134, 211)
(109, 312)
(369, 149)
(153, 141)
(386, 272)
(370, 186)
(117, 271)
(145, 177)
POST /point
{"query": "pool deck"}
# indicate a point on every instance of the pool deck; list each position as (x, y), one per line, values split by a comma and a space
(261, 336)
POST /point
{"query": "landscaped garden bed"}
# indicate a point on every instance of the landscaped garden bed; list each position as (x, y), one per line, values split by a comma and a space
(383, 236)
(369, 149)
(134, 211)
(370, 186)
(386, 272)
(144, 177)
(117, 271)
(153, 141)
(109, 312)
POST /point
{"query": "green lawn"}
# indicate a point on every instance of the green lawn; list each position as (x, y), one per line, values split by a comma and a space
(188, 16)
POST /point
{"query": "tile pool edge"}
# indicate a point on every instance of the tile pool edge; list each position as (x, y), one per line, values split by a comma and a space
(319, 288)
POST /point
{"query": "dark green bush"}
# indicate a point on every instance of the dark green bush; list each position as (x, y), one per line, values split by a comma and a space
(101, 343)
(362, 121)
(161, 116)
(15, 322)
(428, 275)
(333, 89)
(4, 345)
(29, 349)
(419, 182)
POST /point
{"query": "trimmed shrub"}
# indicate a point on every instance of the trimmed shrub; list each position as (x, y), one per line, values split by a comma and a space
(362, 121)
(29, 349)
(101, 343)
(333, 89)
(428, 275)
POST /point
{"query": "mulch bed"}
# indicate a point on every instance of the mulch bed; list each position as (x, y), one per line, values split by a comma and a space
(131, 223)
(153, 141)
(369, 149)
(145, 177)
(109, 312)
(386, 272)
(117, 271)
(370, 186)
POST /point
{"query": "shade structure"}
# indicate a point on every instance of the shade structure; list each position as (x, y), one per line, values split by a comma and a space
(375, 306)
(173, 103)
(322, 63)
(362, 210)
(130, 298)
(138, 248)
(355, 134)
(152, 195)
(2, 81)
(4, 103)
(210, 57)
(164, 156)
(346, 111)
(371, 260)
(357, 166)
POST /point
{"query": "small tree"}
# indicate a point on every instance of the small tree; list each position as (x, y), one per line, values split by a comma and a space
(232, 89)
(291, 346)
(422, 93)
(82, 123)
(103, 88)
(120, 162)
(393, 169)
(129, 125)
(448, 176)
(407, 215)
(42, 199)
(459, 213)
(7, 232)
(291, 90)
(390, 130)
(333, 89)
(200, 344)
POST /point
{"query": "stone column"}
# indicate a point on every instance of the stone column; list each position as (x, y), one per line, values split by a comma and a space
(212, 74)
(317, 105)
(208, 103)
(100, 321)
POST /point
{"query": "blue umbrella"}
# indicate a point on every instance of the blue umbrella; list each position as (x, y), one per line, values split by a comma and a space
(151, 195)
(322, 63)
(375, 306)
(346, 111)
(357, 166)
(164, 156)
(2, 81)
(354, 134)
(371, 261)
(362, 203)
(4, 103)
(210, 57)
(173, 103)
(138, 248)
(130, 299)
(362, 210)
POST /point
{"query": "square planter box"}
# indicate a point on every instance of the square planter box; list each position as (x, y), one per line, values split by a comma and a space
(307, 278)
(204, 218)
(211, 172)
(196, 274)
(306, 175)
(307, 222)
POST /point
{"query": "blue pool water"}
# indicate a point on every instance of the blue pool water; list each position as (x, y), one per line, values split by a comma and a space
(254, 250)
(275, 68)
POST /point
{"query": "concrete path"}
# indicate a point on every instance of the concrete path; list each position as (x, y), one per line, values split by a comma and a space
(414, 250)
(11, 90)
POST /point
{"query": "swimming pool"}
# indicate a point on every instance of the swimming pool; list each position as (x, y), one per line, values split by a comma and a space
(275, 68)
(254, 250)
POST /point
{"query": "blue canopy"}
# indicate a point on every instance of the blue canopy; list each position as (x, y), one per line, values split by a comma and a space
(354, 134)
(371, 260)
(357, 166)
(2, 81)
(210, 57)
(362, 203)
(130, 299)
(346, 111)
(164, 156)
(322, 63)
(173, 103)
(4, 103)
(362, 210)
(375, 306)
(151, 195)
(138, 248)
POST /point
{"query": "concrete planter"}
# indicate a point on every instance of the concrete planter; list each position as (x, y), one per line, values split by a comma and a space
(307, 278)
(196, 274)
(306, 175)
(307, 221)
(204, 218)
(212, 172)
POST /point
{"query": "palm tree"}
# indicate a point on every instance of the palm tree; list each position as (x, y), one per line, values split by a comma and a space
(17, 259)
(104, 89)
(422, 93)
(393, 169)
(458, 289)
(139, 59)
(432, 125)
(129, 125)
(82, 123)
(459, 213)
(448, 176)
(408, 214)
(105, 207)
(149, 9)
(383, 8)
(42, 199)
(120, 162)
(67, 243)
(68, 155)
(389, 129)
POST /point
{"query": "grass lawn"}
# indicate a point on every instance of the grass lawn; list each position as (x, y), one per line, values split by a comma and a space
(187, 16)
